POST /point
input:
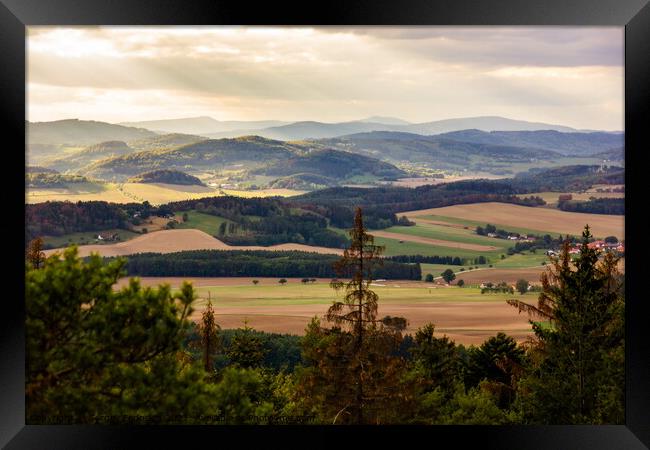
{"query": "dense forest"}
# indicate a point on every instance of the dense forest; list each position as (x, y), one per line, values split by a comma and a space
(249, 263)
(567, 178)
(58, 218)
(392, 199)
(166, 176)
(595, 206)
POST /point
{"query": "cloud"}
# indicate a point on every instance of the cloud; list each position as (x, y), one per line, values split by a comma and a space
(327, 73)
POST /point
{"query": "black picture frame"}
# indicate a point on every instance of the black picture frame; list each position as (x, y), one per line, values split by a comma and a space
(15, 15)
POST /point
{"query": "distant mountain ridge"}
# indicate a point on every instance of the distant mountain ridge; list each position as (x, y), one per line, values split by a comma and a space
(202, 125)
(320, 130)
(74, 131)
(564, 143)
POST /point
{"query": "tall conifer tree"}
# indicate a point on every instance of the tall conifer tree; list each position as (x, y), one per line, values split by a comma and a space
(578, 377)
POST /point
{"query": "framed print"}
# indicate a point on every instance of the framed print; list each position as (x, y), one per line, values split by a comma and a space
(414, 217)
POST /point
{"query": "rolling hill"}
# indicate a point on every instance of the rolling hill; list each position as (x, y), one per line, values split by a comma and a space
(165, 141)
(89, 155)
(334, 164)
(205, 155)
(436, 151)
(81, 132)
(250, 154)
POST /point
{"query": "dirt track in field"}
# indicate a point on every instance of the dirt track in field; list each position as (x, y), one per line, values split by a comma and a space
(170, 241)
(439, 222)
(429, 241)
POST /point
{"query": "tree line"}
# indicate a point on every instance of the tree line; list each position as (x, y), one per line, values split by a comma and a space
(252, 263)
(595, 206)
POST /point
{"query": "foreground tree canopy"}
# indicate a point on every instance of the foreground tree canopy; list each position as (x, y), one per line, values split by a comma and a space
(100, 355)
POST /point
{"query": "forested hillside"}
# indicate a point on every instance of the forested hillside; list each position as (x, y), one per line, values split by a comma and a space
(90, 154)
(166, 176)
(437, 151)
(332, 164)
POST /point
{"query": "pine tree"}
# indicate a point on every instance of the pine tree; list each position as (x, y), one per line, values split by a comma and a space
(34, 254)
(358, 262)
(353, 375)
(359, 301)
(208, 330)
(578, 377)
(246, 349)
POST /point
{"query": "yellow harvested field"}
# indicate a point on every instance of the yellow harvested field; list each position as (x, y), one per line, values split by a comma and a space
(154, 193)
(107, 192)
(159, 193)
(552, 197)
(170, 241)
(429, 241)
(423, 181)
(263, 193)
(543, 219)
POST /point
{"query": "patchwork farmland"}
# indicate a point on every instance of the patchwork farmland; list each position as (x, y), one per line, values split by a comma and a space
(537, 220)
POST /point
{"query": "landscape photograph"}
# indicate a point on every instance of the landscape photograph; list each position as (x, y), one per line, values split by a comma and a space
(251, 225)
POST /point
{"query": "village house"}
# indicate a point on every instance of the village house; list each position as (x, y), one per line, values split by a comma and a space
(108, 237)
(597, 245)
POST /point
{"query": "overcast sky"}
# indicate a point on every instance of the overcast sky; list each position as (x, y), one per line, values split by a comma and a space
(563, 75)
